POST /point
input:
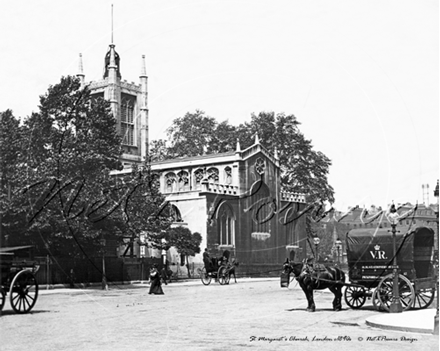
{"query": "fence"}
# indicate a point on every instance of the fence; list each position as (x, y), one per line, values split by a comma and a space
(69, 271)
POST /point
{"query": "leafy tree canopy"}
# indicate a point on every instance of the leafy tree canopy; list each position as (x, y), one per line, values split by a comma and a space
(304, 169)
(62, 191)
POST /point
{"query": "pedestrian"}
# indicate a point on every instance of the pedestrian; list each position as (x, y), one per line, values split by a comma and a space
(155, 284)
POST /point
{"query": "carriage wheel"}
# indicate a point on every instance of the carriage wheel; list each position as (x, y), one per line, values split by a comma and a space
(2, 298)
(23, 292)
(205, 277)
(227, 277)
(385, 292)
(355, 296)
(423, 298)
(222, 275)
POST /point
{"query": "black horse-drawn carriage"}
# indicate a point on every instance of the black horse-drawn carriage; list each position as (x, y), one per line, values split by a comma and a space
(370, 258)
(218, 268)
(17, 278)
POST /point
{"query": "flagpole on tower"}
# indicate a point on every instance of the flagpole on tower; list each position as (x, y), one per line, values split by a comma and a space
(112, 25)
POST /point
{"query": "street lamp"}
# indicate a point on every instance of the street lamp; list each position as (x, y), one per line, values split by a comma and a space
(316, 241)
(396, 305)
(338, 249)
(436, 252)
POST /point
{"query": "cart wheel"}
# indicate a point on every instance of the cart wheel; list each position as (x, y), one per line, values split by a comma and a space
(222, 275)
(227, 277)
(376, 301)
(205, 277)
(423, 298)
(23, 292)
(355, 296)
(2, 298)
(385, 292)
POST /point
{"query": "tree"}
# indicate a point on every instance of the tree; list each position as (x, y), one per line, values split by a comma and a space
(185, 242)
(191, 135)
(11, 156)
(304, 170)
(64, 198)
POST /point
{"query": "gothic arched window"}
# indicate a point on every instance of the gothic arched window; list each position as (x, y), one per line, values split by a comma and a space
(213, 175)
(183, 181)
(226, 225)
(170, 181)
(127, 120)
(198, 176)
(228, 175)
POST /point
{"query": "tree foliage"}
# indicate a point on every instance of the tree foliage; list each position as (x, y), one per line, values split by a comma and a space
(304, 170)
(185, 242)
(64, 198)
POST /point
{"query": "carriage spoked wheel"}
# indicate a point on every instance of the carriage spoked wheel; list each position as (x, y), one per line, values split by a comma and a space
(222, 275)
(23, 292)
(385, 292)
(205, 277)
(2, 298)
(423, 298)
(355, 296)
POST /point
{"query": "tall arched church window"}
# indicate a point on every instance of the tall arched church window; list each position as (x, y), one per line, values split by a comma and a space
(263, 209)
(127, 120)
(213, 175)
(170, 182)
(183, 181)
(228, 175)
(198, 177)
(226, 225)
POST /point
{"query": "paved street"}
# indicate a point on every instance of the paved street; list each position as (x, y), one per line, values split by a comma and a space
(252, 314)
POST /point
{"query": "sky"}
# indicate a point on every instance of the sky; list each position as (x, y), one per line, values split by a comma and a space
(362, 77)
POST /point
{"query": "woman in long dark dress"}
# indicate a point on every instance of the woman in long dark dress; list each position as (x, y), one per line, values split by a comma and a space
(155, 284)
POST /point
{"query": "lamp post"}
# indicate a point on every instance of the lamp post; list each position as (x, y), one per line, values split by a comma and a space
(104, 277)
(316, 241)
(436, 252)
(396, 304)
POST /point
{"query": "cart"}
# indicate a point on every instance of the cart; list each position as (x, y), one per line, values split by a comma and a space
(17, 278)
(370, 257)
(217, 269)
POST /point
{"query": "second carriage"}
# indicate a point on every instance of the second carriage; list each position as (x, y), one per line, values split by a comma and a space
(218, 268)
(371, 273)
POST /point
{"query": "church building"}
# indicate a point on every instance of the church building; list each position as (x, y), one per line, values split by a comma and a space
(234, 199)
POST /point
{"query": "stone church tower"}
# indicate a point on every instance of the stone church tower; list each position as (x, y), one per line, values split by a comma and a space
(128, 102)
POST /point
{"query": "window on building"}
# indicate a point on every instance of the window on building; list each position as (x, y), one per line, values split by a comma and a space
(175, 214)
(127, 120)
(228, 175)
(213, 175)
(226, 225)
(261, 222)
(183, 181)
(198, 177)
(170, 182)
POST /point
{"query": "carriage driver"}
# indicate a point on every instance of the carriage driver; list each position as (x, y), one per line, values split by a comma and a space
(207, 260)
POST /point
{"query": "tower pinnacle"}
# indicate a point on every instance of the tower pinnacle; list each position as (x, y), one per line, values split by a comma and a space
(80, 73)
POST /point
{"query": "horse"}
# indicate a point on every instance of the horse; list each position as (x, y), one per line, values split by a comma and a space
(231, 270)
(317, 277)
